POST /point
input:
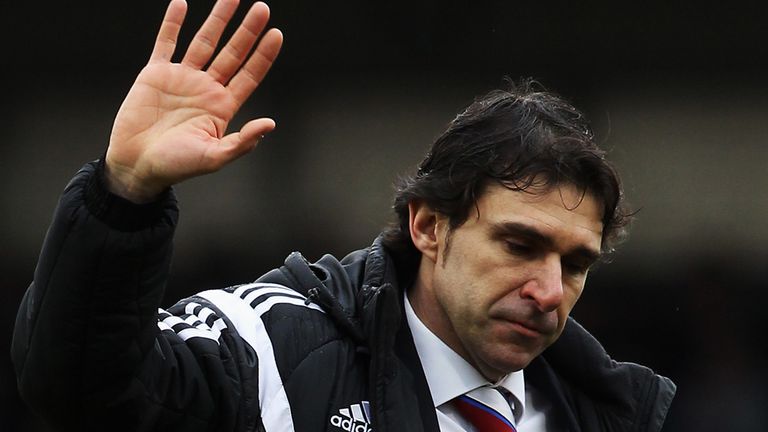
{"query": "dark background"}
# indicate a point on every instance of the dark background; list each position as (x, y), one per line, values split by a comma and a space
(676, 92)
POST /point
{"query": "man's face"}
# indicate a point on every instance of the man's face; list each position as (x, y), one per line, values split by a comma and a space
(502, 291)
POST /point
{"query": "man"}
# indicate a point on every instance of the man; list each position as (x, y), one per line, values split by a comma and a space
(455, 309)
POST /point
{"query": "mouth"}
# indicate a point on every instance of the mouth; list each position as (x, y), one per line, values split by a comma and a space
(525, 329)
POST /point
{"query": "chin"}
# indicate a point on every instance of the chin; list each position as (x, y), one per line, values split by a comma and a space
(505, 364)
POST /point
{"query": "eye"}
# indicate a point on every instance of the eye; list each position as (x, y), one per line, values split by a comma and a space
(519, 248)
(576, 267)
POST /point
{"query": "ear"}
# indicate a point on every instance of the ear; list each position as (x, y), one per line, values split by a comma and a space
(423, 224)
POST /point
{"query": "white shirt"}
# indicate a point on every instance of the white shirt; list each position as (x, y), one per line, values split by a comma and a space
(449, 375)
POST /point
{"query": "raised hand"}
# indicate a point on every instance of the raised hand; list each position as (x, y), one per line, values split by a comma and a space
(171, 125)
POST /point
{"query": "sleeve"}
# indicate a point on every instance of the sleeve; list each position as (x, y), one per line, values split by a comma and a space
(91, 349)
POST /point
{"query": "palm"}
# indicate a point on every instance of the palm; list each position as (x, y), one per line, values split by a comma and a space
(172, 119)
(172, 124)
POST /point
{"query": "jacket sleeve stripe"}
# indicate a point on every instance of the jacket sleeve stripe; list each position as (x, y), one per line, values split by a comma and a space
(275, 410)
(194, 332)
(196, 324)
(257, 289)
(202, 312)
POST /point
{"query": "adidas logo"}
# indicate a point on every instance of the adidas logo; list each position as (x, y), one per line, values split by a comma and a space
(356, 418)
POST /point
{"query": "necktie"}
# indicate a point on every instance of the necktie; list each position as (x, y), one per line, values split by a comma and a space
(487, 409)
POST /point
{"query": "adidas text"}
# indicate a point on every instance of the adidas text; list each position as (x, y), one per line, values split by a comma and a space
(349, 425)
(355, 418)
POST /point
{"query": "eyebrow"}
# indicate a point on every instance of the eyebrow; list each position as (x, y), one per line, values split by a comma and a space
(531, 234)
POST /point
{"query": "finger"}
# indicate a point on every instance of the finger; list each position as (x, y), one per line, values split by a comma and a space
(204, 43)
(234, 53)
(239, 143)
(165, 44)
(256, 67)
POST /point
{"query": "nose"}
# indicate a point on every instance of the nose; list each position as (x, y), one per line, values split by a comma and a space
(545, 287)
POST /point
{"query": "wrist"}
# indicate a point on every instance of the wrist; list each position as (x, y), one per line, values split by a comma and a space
(120, 213)
(125, 184)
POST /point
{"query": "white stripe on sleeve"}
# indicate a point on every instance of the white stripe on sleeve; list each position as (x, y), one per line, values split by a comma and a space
(275, 410)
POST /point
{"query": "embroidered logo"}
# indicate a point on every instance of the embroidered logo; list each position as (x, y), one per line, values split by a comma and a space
(356, 418)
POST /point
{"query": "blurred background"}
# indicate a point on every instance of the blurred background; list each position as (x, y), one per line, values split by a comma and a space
(677, 94)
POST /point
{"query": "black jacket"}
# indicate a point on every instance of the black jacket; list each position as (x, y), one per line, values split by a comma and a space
(307, 347)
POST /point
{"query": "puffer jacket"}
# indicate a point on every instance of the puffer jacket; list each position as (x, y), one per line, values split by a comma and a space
(306, 347)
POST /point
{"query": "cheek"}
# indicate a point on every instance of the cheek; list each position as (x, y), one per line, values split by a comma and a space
(462, 296)
(570, 297)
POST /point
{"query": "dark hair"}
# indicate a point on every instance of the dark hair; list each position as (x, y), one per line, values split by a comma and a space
(520, 137)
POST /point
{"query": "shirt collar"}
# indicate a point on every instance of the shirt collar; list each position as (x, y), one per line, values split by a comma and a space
(448, 374)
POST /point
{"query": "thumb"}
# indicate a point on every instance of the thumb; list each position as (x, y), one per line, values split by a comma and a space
(239, 143)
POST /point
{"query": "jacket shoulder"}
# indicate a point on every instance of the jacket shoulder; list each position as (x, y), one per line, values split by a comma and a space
(606, 394)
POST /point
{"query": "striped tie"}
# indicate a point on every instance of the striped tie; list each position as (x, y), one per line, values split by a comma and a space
(487, 410)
